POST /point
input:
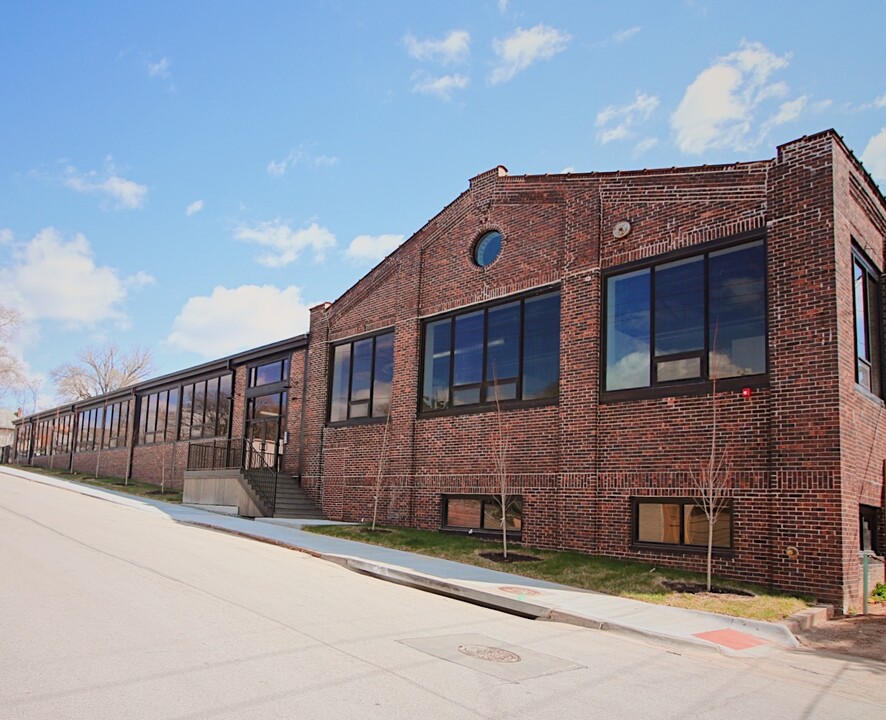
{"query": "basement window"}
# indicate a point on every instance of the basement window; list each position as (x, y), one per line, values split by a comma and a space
(678, 521)
(481, 512)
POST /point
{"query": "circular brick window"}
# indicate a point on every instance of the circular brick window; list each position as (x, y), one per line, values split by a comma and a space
(487, 248)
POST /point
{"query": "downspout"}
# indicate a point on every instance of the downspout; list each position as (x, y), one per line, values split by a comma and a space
(130, 426)
(304, 401)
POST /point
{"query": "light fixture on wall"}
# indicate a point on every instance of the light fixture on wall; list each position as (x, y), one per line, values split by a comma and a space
(621, 229)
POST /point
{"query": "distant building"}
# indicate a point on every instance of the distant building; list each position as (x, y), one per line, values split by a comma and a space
(582, 322)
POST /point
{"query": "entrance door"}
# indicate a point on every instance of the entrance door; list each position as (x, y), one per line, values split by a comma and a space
(265, 423)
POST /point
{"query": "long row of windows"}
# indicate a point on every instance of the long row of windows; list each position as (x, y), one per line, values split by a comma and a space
(500, 353)
(205, 412)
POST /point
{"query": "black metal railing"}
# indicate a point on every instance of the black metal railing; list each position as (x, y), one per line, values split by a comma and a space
(251, 457)
(260, 473)
(219, 454)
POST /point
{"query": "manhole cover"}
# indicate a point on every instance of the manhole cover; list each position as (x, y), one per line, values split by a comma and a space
(518, 590)
(489, 653)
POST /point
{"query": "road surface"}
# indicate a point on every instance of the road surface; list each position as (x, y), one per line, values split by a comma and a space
(109, 611)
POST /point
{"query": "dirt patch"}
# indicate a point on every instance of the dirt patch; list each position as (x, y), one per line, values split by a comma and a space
(857, 635)
(511, 558)
(699, 589)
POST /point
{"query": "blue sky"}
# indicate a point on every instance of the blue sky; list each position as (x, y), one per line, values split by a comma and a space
(192, 176)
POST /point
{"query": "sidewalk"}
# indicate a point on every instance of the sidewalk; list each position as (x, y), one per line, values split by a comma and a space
(499, 590)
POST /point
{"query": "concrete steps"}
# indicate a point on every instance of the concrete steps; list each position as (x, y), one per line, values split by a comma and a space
(292, 502)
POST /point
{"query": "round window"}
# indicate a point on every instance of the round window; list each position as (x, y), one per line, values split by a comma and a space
(487, 248)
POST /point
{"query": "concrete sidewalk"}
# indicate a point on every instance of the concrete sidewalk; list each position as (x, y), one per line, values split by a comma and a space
(500, 590)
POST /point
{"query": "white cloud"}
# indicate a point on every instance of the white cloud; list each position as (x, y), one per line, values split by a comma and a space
(372, 248)
(626, 117)
(454, 48)
(880, 101)
(644, 146)
(626, 34)
(52, 279)
(442, 87)
(301, 155)
(5, 236)
(140, 280)
(232, 319)
(874, 156)
(194, 208)
(502, 6)
(284, 243)
(525, 47)
(159, 69)
(719, 108)
(107, 184)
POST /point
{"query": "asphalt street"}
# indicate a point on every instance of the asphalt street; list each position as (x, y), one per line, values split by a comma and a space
(112, 611)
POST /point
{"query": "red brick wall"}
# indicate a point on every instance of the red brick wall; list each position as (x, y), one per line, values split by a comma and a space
(862, 417)
(163, 462)
(578, 463)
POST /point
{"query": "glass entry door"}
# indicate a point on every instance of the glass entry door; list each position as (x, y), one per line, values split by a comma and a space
(265, 428)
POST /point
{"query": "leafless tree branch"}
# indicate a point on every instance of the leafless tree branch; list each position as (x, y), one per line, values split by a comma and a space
(100, 370)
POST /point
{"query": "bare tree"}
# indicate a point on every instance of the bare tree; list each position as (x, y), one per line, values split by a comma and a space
(381, 467)
(501, 470)
(714, 477)
(500, 463)
(100, 370)
(13, 375)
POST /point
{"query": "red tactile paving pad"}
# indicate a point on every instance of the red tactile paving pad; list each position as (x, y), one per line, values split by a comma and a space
(732, 639)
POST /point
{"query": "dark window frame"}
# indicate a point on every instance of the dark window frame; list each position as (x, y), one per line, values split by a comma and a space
(189, 427)
(690, 386)
(254, 372)
(484, 499)
(116, 425)
(62, 437)
(145, 435)
(870, 359)
(90, 429)
(869, 514)
(371, 416)
(683, 501)
(486, 386)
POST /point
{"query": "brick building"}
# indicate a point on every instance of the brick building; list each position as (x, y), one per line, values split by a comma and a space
(590, 338)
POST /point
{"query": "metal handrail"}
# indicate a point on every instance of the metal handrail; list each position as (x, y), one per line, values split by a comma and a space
(237, 454)
(259, 473)
(217, 454)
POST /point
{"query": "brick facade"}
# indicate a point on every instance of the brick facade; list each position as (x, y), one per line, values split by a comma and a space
(806, 443)
(807, 446)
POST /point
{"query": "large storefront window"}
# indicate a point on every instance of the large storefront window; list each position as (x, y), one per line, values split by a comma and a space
(362, 373)
(500, 353)
(115, 427)
(206, 408)
(89, 429)
(692, 319)
(157, 416)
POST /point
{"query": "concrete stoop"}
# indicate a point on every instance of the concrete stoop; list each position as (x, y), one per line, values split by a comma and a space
(809, 618)
(292, 502)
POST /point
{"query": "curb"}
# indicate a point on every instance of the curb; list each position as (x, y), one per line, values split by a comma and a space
(808, 618)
